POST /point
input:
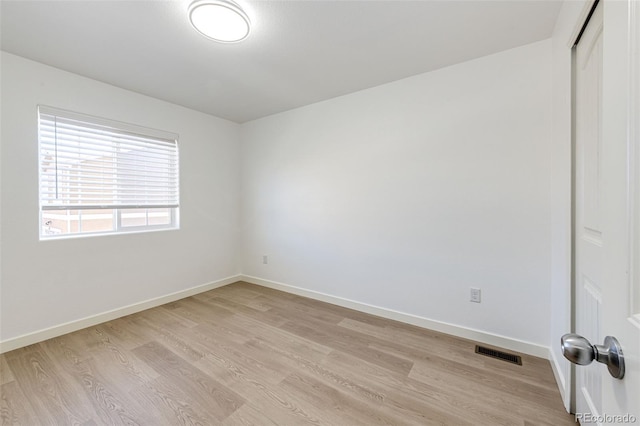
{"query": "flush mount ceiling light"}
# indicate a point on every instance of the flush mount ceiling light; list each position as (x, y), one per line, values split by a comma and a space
(219, 20)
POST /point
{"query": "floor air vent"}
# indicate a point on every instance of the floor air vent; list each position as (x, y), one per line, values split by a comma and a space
(515, 359)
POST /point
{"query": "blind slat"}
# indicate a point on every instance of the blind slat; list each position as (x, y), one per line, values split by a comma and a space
(61, 169)
(91, 164)
(100, 183)
(98, 144)
(90, 125)
(109, 206)
(103, 149)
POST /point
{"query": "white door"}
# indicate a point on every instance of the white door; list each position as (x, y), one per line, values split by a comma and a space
(607, 242)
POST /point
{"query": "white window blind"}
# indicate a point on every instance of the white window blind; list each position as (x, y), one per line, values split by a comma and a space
(91, 163)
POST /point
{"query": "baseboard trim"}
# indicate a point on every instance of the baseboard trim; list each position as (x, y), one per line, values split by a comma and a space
(560, 380)
(71, 326)
(455, 330)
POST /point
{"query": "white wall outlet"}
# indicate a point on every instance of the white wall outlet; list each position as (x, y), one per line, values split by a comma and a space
(475, 295)
(265, 259)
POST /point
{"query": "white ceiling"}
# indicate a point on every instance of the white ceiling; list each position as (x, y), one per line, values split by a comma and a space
(299, 52)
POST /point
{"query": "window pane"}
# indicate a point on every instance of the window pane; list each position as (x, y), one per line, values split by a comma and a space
(73, 221)
(159, 216)
(96, 220)
(55, 222)
(133, 217)
(65, 222)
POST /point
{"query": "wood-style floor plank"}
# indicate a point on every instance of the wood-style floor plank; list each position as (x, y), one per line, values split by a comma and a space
(6, 375)
(54, 398)
(15, 408)
(248, 415)
(348, 342)
(248, 355)
(167, 404)
(104, 397)
(193, 382)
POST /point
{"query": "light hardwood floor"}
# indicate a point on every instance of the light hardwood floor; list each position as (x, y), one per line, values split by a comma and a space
(244, 354)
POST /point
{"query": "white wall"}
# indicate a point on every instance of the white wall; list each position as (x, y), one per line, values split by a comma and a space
(405, 195)
(561, 195)
(47, 283)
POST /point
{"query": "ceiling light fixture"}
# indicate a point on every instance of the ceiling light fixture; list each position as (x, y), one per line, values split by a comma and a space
(219, 20)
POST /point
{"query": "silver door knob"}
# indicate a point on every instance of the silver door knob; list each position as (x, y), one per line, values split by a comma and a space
(579, 351)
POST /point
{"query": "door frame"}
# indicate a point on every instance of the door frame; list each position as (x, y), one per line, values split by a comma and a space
(579, 26)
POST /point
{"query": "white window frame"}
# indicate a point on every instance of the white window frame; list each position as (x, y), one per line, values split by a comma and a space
(118, 228)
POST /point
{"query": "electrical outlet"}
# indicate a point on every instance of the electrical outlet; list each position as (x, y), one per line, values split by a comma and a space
(265, 259)
(475, 295)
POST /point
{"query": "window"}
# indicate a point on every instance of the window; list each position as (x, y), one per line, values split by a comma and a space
(99, 176)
